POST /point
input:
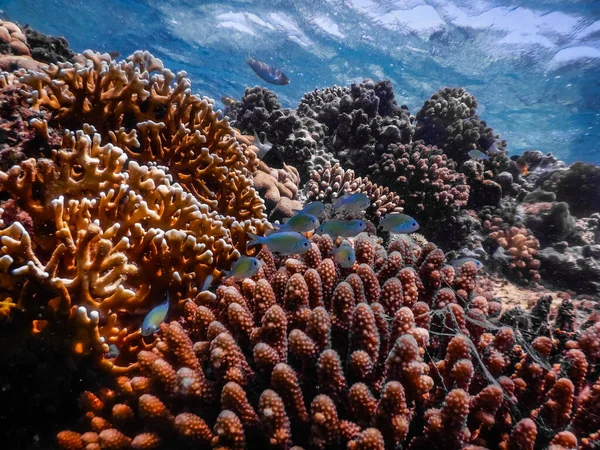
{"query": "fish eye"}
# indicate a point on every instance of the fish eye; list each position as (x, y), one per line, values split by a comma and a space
(255, 263)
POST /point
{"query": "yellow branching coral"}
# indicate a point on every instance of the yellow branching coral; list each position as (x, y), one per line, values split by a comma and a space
(151, 114)
(110, 234)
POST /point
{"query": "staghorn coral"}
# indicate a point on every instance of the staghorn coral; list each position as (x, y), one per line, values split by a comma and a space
(151, 114)
(333, 182)
(311, 359)
(101, 237)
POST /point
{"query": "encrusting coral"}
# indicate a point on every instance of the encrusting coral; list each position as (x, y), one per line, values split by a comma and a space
(399, 350)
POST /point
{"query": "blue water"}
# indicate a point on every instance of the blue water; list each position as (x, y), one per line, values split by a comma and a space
(533, 65)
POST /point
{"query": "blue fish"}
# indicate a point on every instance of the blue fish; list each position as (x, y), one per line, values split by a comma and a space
(399, 223)
(457, 263)
(283, 243)
(267, 72)
(352, 202)
(344, 255)
(477, 155)
(155, 317)
(354, 227)
(244, 267)
(300, 223)
(315, 208)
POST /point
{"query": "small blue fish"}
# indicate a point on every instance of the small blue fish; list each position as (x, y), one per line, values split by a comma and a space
(352, 202)
(267, 72)
(399, 223)
(301, 223)
(457, 263)
(478, 156)
(284, 243)
(335, 228)
(494, 150)
(244, 267)
(344, 255)
(315, 208)
(355, 227)
(155, 317)
(207, 283)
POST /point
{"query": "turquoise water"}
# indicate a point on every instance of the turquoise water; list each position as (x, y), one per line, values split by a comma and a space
(533, 66)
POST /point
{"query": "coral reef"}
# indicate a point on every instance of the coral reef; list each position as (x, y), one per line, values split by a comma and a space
(333, 182)
(106, 221)
(120, 188)
(578, 185)
(423, 177)
(376, 356)
(449, 121)
(300, 139)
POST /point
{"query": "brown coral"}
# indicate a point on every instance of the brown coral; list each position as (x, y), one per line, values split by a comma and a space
(347, 375)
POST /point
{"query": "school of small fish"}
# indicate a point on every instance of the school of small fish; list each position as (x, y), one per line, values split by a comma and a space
(288, 239)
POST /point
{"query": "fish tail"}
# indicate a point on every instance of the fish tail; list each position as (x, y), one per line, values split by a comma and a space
(254, 239)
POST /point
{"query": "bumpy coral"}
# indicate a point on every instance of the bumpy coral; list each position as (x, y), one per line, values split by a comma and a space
(300, 139)
(448, 121)
(333, 182)
(516, 246)
(279, 189)
(304, 354)
(423, 177)
(357, 120)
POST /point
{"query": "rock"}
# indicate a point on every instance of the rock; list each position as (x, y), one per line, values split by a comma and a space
(575, 268)
(553, 225)
(539, 195)
(505, 179)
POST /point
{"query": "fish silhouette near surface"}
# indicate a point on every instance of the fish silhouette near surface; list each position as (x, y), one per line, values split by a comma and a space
(268, 73)
(155, 317)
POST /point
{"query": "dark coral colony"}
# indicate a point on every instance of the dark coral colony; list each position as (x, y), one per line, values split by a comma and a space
(119, 185)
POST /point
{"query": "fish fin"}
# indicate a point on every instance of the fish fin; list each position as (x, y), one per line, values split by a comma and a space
(268, 143)
(256, 138)
(285, 220)
(226, 274)
(254, 239)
